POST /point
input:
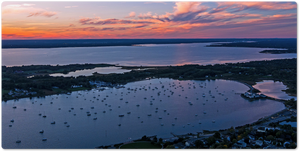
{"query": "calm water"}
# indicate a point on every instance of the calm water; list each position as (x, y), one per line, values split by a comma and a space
(273, 89)
(165, 94)
(162, 54)
(293, 124)
(89, 72)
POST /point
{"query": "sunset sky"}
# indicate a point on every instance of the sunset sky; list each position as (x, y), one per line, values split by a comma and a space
(103, 20)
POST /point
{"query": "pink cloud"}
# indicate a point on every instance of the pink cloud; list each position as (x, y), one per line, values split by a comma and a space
(42, 13)
(98, 21)
(131, 15)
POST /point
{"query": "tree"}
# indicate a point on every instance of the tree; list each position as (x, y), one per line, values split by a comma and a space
(170, 147)
(144, 137)
(270, 137)
(221, 146)
(234, 140)
(246, 140)
(239, 137)
(199, 143)
(278, 134)
(211, 140)
(293, 146)
(217, 135)
(160, 140)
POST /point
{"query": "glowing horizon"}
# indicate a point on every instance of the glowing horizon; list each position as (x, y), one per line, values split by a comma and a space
(146, 20)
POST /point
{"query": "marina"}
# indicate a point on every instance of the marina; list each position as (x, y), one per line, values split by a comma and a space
(168, 112)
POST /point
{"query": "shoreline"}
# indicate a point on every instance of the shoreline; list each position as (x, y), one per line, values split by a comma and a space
(208, 133)
(88, 89)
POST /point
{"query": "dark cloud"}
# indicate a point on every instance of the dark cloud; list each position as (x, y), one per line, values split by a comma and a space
(187, 16)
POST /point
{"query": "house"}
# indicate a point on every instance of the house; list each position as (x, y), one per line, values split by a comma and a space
(227, 137)
(262, 95)
(259, 142)
(179, 145)
(173, 139)
(10, 93)
(251, 137)
(268, 142)
(285, 143)
(261, 129)
(241, 143)
(187, 144)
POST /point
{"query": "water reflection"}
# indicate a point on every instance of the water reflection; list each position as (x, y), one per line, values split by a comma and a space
(89, 72)
(148, 55)
(273, 89)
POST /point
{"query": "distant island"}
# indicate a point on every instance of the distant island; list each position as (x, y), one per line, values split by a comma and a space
(280, 45)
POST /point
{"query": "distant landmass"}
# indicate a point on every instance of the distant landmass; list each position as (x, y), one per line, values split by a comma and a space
(281, 45)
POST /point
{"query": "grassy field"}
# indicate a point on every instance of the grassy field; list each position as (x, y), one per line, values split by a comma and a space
(5, 91)
(140, 145)
(6, 79)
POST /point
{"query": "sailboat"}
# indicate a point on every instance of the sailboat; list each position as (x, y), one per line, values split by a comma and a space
(44, 115)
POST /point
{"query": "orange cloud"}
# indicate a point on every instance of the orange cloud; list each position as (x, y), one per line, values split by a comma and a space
(188, 20)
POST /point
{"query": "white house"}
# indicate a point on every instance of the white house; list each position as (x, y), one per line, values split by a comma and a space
(259, 142)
